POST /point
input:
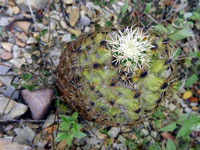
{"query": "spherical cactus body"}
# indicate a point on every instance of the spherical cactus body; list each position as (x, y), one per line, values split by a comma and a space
(117, 77)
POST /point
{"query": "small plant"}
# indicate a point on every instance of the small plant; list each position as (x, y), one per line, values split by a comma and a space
(182, 128)
(69, 129)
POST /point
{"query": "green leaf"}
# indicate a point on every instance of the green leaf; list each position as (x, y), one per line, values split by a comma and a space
(160, 28)
(61, 136)
(169, 127)
(187, 15)
(64, 126)
(181, 34)
(65, 118)
(182, 118)
(108, 24)
(124, 8)
(194, 54)
(184, 131)
(26, 76)
(74, 116)
(195, 16)
(43, 32)
(191, 80)
(170, 145)
(69, 140)
(147, 8)
(154, 146)
(79, 135)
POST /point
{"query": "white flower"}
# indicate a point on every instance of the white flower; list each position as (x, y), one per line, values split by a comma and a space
(131, 48)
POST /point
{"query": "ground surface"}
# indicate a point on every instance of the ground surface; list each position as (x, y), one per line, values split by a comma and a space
(31, 43)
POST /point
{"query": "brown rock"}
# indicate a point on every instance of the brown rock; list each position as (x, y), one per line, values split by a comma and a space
(19, 43)
(73, 16)
(167, 135)
(7, 46)
(38, 101)
(6, 55)
(16, 10)
(24, 25)
(6, 145)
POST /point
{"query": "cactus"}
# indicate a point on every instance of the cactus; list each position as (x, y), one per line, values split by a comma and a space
(117, 77)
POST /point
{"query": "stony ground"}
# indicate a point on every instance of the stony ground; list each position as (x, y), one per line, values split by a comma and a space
(31, 43)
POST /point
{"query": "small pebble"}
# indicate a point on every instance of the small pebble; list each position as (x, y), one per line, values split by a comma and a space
(16, 10)
(7, 46)
(193, 104)
(172, 107)
(6, 55)
(113, 132)
(188, 110)
(195, 108)
(145, 132)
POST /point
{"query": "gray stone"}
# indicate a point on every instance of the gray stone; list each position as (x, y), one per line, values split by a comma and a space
(84, 20)
(35, 4)
(38, 101)
(10, 109)
(25, 135)
(11, 92)
(66, 38)
(188, 110)
(93, 141)
(154, 134)
(145, 132)
(87, 147)
(121, 139)
(6, 80)
(79, 141)
(4, 69)
(4, 21)
(172, 107)
(121, 146)
(113, 132)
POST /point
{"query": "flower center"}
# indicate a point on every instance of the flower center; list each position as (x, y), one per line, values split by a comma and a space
(131, 47)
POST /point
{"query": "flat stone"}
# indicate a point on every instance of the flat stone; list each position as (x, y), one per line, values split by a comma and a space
(145, 132)
(11, 91)
(6, 55)
(84, 20)
(74, 16)
(38, 101)
(66, 38)
(172, 107)
(6, 80)
(93, 141)
(35, 4)
(24, 25)
(22, 36)
(11, 109)
(68, 1)
(20, 44)
(4, 69)
(63, 24)
(7, 46)
(4, 21)
(113, 132)
(16, 10)
(25, 135)
(121, 139)
(121, 146)
(7, 145)
(31, 40)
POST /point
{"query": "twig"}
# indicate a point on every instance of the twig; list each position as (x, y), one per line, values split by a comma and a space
(34, 20)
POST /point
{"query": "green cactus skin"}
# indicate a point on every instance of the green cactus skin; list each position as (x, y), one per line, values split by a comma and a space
(102, 91)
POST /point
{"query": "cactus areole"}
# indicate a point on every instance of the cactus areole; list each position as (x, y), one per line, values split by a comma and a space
(117, 77)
